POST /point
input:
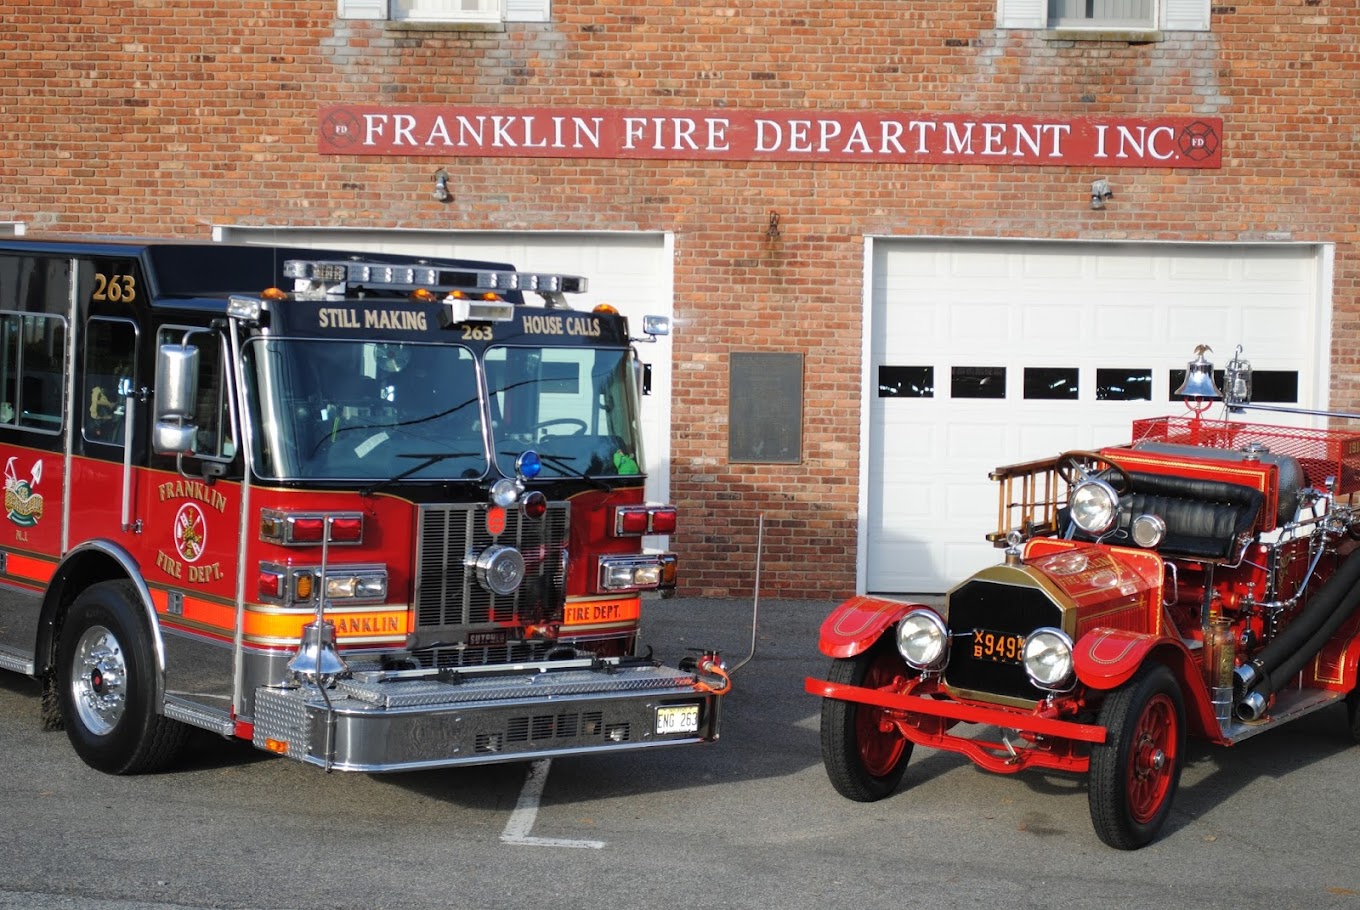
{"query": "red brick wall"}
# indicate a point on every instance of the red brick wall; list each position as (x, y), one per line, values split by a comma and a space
(166, 117)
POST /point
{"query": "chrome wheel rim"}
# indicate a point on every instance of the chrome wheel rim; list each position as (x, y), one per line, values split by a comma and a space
(99, 680)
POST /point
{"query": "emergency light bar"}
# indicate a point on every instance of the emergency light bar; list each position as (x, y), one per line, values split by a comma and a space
(338, 276)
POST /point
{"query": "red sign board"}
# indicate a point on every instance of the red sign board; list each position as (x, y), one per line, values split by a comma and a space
(726, 135)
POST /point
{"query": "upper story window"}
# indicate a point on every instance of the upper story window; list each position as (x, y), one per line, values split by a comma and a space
(1102, 13)
(446, 10)
(1105, 15)
(446, 13)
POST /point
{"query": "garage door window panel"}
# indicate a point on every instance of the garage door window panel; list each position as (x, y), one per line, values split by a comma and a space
(1113, 384)
(1275, 386)
(977, 382)
(1052, 383)
(906, 382)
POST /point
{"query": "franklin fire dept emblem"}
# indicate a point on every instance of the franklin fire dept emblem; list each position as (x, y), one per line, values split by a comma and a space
(191, 532)
(22, 505)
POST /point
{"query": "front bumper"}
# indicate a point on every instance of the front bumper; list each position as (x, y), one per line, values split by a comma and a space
(405, 721)
(1044, 740)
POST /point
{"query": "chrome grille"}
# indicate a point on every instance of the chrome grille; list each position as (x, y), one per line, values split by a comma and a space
(450, 604)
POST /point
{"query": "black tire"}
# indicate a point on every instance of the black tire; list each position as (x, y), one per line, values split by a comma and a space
(1353, 714)
(1135, 772)
(107, 688)
(864, 761)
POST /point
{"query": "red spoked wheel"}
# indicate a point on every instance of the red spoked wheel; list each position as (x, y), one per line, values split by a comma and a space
(1135, 772)
(864, 752)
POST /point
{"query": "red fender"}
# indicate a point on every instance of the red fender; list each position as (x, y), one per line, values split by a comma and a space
(859, 622)
(1107, 658)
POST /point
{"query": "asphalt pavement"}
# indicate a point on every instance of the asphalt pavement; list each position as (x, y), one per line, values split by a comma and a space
(747, 822)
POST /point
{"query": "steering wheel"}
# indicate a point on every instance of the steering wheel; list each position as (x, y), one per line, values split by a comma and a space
(579, 425)
(1078, 465)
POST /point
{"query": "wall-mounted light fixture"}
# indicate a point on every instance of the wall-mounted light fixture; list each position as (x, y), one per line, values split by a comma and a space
(1100, 191)
(772, 230)
(441, 186)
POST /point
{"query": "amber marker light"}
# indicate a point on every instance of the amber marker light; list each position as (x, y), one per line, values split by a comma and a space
(423, 295)
(606, 308)
(274, 294)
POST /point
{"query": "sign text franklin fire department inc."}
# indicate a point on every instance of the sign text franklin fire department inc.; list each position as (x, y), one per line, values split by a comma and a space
(723, 135)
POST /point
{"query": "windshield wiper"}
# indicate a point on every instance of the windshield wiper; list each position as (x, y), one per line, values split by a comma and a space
(428, 458)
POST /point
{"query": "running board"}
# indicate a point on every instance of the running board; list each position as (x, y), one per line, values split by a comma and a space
(15, 661)
(196, 715)
(1290, 705)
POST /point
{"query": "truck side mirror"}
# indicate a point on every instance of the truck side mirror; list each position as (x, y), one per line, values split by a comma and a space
(174, 432)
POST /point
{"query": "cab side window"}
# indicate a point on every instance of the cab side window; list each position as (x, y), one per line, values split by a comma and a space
(110, 353)
(32, 377)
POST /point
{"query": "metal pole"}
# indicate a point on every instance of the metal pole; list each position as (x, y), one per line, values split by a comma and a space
(755, 595)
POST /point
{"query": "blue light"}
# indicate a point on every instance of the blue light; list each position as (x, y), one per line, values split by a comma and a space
(527, 465)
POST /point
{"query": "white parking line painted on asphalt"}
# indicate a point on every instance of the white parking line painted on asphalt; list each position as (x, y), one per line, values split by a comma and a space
(526, 810)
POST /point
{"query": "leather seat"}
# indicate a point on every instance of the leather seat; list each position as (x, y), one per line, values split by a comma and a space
(1204, 518)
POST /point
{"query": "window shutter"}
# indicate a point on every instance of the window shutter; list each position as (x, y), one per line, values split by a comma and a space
(1185, 15)
(526, 10)
(1022, 13)
(363, 9)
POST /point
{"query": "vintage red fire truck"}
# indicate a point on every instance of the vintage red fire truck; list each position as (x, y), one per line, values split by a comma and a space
(1199, 580)
(368, 512)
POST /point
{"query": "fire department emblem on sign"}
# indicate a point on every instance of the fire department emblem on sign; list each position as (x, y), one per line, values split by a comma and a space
(22, 505)
(191, 532)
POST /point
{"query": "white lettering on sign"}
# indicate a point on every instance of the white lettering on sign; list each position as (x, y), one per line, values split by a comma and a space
(1141, 142)
(725, 134)
(494, 131)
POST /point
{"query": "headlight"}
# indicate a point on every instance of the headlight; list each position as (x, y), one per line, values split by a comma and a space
(1148, 530)
(1047, 656)
(631, 573)
(1093, 505)
(923, 640)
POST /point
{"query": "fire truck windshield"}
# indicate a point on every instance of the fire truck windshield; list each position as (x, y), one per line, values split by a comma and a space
(337, 409)
(575, 406)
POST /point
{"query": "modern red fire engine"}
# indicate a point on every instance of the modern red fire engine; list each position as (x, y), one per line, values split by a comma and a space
(1201, 579)
(368, 512)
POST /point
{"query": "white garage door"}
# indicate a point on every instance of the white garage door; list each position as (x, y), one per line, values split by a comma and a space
(986, 353)
(630, 271)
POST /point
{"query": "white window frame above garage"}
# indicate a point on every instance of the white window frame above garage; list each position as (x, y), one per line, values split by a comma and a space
(1168, 15)
(446, 13)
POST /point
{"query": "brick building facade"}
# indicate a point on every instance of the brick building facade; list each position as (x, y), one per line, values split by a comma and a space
(178, 117)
